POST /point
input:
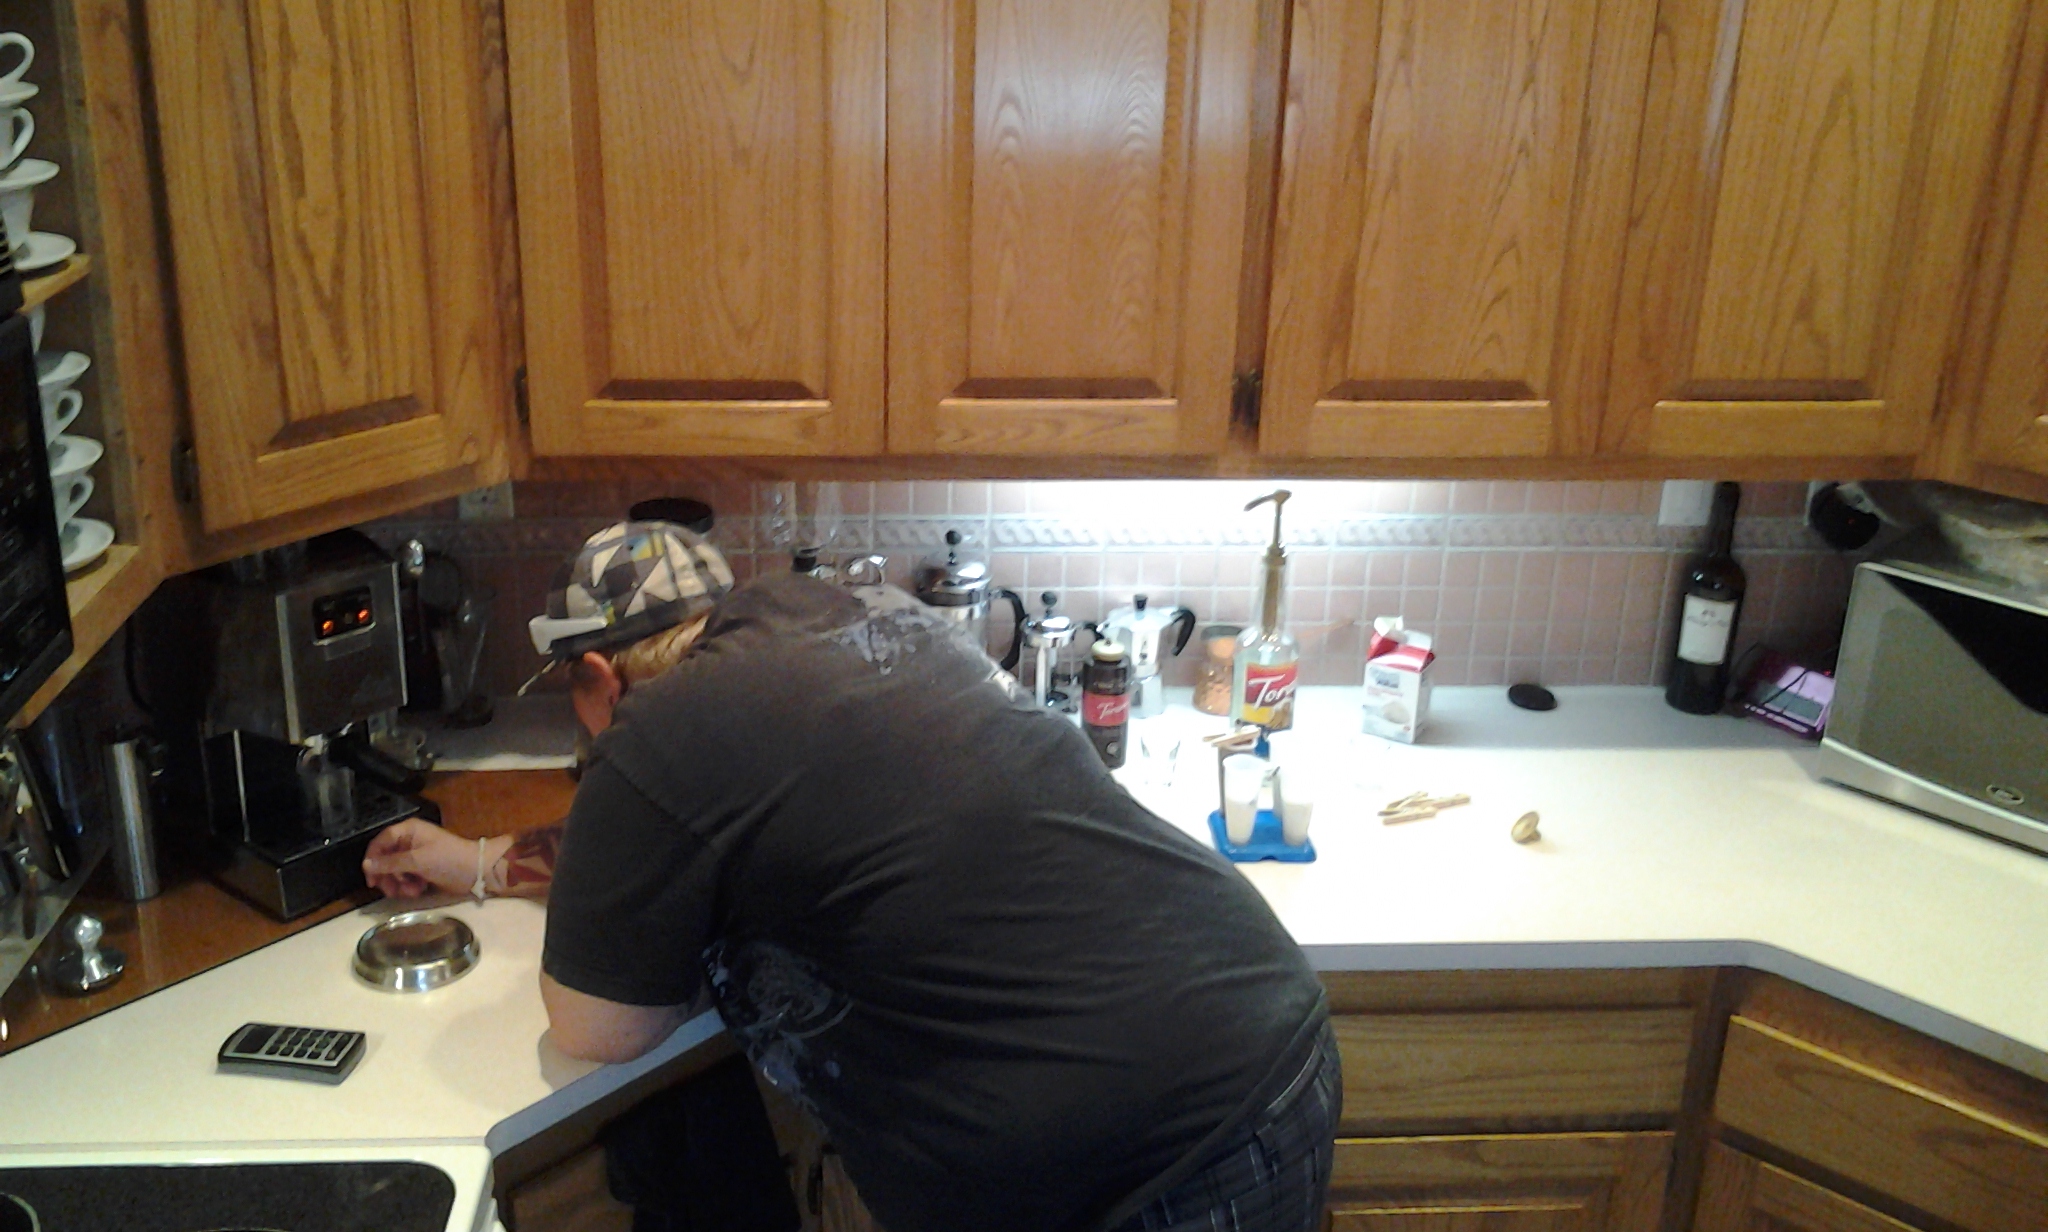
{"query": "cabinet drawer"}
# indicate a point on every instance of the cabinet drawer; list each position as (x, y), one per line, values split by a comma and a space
(1499, 1183)
(1945, 1158)
(1416, 1071)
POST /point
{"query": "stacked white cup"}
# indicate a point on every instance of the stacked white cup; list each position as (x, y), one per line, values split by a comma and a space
(35, 252)
(72, 458)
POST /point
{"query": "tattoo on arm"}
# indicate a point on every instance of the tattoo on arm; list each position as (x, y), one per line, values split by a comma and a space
(528, 866)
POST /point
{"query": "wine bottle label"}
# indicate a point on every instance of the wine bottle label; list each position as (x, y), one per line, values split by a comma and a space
(1703, 633)
(1105, 709)
(1269, 694)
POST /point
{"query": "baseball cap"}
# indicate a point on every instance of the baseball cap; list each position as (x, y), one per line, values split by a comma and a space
(628, 581)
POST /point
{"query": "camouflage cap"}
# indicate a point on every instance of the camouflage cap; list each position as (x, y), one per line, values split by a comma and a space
(628, 581)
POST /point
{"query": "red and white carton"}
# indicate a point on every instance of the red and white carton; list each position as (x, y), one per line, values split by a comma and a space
(1396, 680)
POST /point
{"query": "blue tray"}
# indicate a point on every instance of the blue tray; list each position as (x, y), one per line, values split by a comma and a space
(1266, 842)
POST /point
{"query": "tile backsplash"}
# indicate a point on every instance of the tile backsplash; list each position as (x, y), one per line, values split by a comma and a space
(1557, 582)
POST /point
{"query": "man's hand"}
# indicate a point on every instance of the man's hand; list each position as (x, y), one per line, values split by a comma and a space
(412, 857)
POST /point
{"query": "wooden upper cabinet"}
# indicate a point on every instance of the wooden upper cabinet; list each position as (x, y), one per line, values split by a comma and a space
(1454, 182)
(1067, 196)
(329, 168)
(1809, 182)
(701, 218)
(2004, 402)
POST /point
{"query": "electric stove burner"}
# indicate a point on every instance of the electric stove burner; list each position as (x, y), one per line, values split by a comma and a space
(17, 1215)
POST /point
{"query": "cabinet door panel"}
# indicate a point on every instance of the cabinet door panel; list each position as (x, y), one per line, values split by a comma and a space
(329, 173)
(2010, 407)
(1740, 1194)
(1809, 177)
(700, 199)
(1067, 198)
(1519, 1183)
(1450, 216)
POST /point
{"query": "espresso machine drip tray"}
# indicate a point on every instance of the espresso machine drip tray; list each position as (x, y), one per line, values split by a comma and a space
(375, 809)
(290, 871)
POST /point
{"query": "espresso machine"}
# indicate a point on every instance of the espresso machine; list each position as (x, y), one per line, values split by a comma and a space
(308, 649)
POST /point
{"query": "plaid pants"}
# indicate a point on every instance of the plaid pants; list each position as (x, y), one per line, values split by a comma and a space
(1274, 1179)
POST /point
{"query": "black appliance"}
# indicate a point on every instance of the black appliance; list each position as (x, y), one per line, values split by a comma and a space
(35, 615)
(370, 1196)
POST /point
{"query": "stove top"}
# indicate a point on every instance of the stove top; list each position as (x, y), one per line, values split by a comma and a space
(378, 1196)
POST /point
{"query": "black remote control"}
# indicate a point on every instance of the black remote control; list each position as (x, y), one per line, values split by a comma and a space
(291, 1052)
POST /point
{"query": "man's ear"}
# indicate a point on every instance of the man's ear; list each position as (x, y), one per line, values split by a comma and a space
(603, 677)
(595, 688)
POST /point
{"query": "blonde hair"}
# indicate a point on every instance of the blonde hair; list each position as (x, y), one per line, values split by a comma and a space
(650, 656)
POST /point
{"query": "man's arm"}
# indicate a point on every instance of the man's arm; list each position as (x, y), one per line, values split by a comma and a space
(525, 867)
(599, 1030)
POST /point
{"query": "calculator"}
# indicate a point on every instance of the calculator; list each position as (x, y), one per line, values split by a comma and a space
(314, 1053)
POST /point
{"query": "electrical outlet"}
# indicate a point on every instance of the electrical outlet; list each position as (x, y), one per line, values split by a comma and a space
(492, 504)
(1686, 502)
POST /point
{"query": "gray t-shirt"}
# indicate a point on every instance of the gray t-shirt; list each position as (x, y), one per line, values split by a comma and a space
(1013, 996)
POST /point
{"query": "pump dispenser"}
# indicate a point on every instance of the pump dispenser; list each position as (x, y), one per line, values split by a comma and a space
(1268, 661)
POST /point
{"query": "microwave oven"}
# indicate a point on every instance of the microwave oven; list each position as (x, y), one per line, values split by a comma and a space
(1941, 694)
(35, 615)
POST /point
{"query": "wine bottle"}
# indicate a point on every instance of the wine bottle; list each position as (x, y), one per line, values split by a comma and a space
(1710, 605)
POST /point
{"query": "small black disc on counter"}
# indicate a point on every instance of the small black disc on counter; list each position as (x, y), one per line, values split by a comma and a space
(1532, 697)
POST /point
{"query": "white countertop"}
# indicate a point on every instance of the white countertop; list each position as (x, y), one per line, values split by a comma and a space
(1668, 841)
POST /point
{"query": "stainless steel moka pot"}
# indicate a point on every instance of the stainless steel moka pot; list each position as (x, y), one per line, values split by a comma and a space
(1142, 631)
(959, 587)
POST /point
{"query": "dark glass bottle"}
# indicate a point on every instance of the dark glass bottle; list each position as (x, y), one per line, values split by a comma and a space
(1710, 605)
(1106, 701)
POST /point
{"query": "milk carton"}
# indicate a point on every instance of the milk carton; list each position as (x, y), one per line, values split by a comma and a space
(1396, 680)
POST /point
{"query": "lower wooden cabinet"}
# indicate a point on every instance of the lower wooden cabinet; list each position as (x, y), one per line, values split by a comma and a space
(1502, 1183)
(1741, 1194)
(1885, 1123)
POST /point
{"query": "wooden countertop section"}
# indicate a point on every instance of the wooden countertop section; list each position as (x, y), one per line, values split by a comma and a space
(195, 925)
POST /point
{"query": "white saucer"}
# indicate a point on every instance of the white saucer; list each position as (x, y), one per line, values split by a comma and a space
(28, 173)
(72, 454)
(43, 249)
(85, 541)
(19, 92)
(61, 368)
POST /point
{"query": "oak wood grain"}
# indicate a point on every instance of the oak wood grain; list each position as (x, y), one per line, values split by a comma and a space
(1067, 197)
(1520, 1183)
(341, 176)
(1421, 1071)
(1808, 183)
(700, 190)
(1238, 460)
(1954, 1161)
(1448, 214)
(328, 175)
(1740, 429)
(2002, 402)
(1741, 1194)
